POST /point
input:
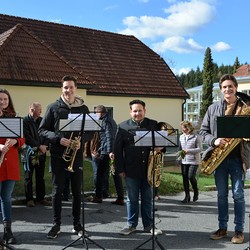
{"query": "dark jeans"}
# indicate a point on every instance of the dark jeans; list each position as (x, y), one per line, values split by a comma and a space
(189, 174)
(102, 176)
(58, 171)
(40, 183)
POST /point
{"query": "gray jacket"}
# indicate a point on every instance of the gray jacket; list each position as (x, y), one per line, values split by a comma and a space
(208, 129)
(194, 146)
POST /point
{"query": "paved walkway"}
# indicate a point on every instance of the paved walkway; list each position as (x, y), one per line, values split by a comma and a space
(183, 226)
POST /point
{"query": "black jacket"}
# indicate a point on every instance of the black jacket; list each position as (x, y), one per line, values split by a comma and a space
(49, 127)
(131, 159)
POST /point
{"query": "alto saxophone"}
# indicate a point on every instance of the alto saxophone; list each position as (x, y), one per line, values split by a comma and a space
(218, 154)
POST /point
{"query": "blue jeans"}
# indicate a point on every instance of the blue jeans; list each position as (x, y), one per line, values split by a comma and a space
(134, 187)
(230, 167)
(6, 189)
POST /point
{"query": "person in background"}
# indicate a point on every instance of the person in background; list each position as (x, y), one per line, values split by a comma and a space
(190, 146)
(234, 165)
(68, 106)
(132, 164)
(36, 160)
(103, 142)
(9, 167)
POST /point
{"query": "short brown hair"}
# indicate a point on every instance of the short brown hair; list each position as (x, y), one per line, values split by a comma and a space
(228, 77)
(69, 78)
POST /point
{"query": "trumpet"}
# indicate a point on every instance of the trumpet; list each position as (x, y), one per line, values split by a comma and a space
(70, 152)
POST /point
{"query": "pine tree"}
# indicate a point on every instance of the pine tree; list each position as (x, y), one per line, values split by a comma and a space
(236, 64)
(207, 88)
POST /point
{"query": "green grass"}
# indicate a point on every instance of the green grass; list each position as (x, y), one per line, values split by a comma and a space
(171, 183)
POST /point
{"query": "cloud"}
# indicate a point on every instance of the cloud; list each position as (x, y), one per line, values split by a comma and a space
(183, 19)
(143, 1)
(220, 46)
(111, 7)
(177, 44)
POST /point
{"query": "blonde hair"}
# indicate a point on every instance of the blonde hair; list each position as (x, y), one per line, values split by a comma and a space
(188, 125)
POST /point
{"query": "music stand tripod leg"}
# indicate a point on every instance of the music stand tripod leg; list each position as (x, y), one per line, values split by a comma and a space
(154, 237)
(5, 245)
(83, 237)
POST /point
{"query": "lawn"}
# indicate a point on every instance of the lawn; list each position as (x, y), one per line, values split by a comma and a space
(171, 183)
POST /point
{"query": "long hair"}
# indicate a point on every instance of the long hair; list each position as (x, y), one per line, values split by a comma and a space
(10, 110)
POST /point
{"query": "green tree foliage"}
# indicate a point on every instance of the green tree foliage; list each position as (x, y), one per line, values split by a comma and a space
(208, 80)
(194, 77)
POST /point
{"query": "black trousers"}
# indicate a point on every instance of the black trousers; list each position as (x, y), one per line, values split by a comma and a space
(40, 183)
(58, 171)
(189, 174)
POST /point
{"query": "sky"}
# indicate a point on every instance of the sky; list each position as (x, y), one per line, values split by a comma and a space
(179, 31)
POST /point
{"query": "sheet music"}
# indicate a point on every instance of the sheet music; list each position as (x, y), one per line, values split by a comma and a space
(144, 138)
(11, 127)
(74, 122)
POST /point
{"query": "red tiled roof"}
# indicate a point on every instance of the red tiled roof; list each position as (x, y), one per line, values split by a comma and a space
(26, 58)
(119, 64)
(244, 70)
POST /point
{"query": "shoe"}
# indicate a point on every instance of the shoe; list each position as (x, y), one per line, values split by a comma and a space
(157, 197)
(8, 236)
(156, 231)
(196, 196)
(219, 234)
(44, 202)
(96, 200)
(78, 229)
(238, 238)
(127, 230)
(149, 229)
(54, 231)
(30, 203)
(186, 199)
(118, 202)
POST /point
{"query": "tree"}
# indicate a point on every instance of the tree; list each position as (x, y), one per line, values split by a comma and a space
(207, 88)
(236, 64)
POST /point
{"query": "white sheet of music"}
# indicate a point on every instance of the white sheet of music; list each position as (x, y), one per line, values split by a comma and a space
(74, 122)
(144, 138)
(11, 127)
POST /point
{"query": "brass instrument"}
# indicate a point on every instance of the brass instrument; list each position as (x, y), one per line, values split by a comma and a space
(70, 152)
(155, 168)
(3, 154)
(218, 154)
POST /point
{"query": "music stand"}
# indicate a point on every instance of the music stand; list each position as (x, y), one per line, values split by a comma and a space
(152, 139)
(234, 127)
(11, 127)
(81, 122)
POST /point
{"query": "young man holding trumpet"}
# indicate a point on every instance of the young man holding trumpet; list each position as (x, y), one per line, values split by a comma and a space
(66, 151)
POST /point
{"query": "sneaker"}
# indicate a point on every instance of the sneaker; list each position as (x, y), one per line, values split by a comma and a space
(219, 234)
(30, 203)
(238, 237)
(78, 230)
(54, 231)
(127, 230)
(118, 202)
(149, 229)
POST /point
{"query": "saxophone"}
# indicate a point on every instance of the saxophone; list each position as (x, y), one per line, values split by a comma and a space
(155, 168)
(218, 154)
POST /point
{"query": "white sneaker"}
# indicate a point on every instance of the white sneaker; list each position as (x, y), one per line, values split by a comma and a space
(127, 230)
(156, 231)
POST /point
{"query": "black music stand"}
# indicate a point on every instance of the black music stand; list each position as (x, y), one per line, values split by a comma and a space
(81, 123)
(152, 139)
(234, 127)
(10, 128)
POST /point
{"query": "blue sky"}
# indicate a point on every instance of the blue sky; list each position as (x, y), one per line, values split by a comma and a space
(179, 31)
